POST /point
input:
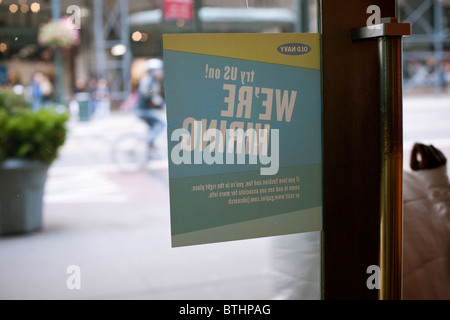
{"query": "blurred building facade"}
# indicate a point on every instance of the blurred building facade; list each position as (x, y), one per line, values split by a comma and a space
(116, 35)
(427, 51)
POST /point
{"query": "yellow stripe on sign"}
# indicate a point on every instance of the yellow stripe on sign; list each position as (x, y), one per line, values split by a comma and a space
(280, 48)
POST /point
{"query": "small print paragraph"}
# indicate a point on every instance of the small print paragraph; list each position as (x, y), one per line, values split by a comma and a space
(252, 190)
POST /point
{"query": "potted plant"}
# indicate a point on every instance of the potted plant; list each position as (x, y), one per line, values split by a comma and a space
(29, 143)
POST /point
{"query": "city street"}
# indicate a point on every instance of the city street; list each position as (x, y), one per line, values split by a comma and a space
(115, 226)
(293, 67)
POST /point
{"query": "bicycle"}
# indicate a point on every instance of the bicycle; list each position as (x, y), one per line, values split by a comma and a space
(131, 152)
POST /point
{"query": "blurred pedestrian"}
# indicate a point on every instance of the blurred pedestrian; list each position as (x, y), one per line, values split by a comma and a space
(3, 75)
(36, 91)
(102, 102)
(47, 91)
(150, 103)
(16, 83)
(91, 88)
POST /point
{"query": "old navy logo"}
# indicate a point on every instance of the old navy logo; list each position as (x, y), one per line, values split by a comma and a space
(294, 49)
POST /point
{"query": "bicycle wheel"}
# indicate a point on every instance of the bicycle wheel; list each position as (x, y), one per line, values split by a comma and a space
(130, 152)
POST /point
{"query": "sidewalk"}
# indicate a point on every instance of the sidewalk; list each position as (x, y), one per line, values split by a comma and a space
(115, 227)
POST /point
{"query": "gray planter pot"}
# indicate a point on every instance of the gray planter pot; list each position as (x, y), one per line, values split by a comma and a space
(21, 195)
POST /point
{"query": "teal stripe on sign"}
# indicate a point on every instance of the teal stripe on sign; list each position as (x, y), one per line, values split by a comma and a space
(232, 198)
(288, 223)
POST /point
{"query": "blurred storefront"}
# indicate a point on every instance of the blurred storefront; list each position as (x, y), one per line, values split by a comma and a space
(118, 35)
(23, 56)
